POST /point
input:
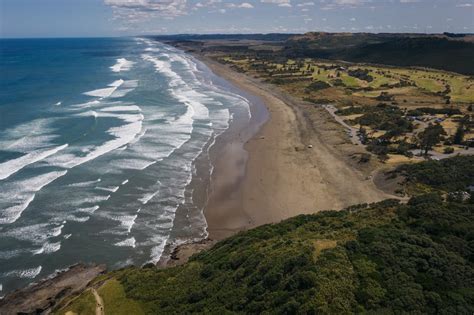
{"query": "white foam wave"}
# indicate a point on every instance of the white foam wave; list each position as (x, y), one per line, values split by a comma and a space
(58, 103)
(123, 135)
(111, 189)
(129, 242)
(25, 273)
(103, 93)
(145, 199)
(131, 164)
(157, 251)
(126, 221)
(88, 209)
(85, 184)
(87, 104)
(124, 182)
(12, 166)
(37, 233)
(131, 108)
(21, 194)
(122, 65)
(48, 248)
(74, 218)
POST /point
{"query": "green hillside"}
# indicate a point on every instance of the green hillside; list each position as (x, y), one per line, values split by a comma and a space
(381, 258)
(390, 49)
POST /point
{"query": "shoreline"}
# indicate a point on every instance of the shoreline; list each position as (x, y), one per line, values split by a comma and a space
(290, 169)
(264, 171)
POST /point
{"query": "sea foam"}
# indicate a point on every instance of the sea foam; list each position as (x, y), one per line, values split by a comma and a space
(12, 166)
(30, 273)
(122, 65)
(21, 193)
(129, 242)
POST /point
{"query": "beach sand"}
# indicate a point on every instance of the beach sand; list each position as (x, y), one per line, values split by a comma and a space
(291, 167)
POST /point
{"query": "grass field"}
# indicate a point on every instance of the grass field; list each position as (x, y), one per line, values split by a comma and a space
(83, 305)
(459, 88)
(115, 301)
(363, 86)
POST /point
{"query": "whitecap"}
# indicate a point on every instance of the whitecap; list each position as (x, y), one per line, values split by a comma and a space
(122, 65)
(121, 109)
(111, 189)
(129, 242)
(25, 273)
(126, 221)
(157, 251)
(102, 93)
(88, 209)
(48, 248)
(145, 199)
(21, 194)
(123, 135)
(10, 167)
(85, 184)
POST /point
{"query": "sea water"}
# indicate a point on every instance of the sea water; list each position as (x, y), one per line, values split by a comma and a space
(98, 143)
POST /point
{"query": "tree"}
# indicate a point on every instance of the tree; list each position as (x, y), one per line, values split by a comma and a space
(459, 135)
(430, 137)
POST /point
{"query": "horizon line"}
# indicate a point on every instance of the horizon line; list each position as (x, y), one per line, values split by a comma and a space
(230, 34)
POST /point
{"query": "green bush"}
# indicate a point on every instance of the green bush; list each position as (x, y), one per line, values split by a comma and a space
(380, 258)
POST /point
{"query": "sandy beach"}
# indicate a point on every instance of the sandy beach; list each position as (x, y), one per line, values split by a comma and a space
(290, 168)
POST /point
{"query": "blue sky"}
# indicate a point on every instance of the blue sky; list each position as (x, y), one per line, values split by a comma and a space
(73, 18)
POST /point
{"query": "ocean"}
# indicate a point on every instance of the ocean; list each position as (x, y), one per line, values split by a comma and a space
(99, 147)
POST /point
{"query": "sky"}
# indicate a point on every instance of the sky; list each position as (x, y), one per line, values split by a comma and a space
(98, 18)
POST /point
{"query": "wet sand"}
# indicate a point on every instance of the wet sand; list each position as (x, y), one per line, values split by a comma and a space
(287, 168)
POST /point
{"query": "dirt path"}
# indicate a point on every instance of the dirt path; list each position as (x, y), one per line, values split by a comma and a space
(99, 309)
(351, 131)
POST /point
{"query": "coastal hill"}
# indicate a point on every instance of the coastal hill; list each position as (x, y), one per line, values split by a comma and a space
(451, 52)
(377, 258)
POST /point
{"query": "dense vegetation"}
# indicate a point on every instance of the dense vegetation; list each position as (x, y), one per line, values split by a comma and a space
(448, 175)
(382, 258)
(393, 49)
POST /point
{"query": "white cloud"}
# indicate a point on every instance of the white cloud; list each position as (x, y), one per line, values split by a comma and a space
(336, 4)
(278, 2)
(131, 9)
(464, 5)
(305, 4)
(244, 5)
